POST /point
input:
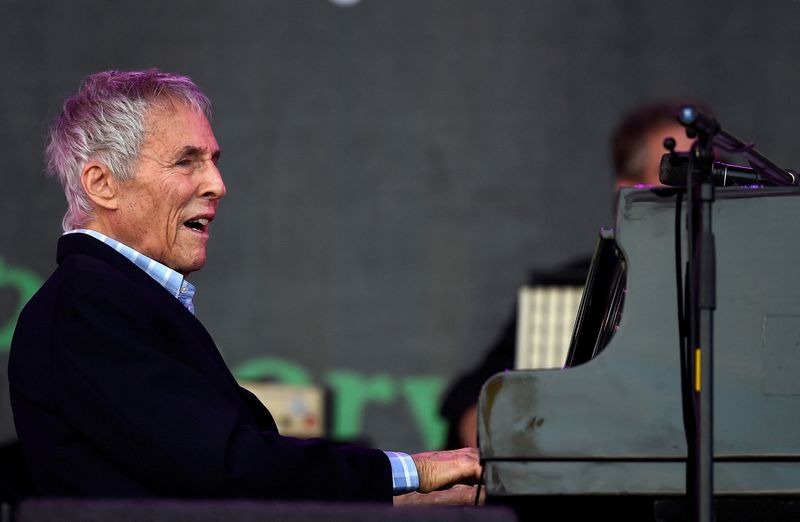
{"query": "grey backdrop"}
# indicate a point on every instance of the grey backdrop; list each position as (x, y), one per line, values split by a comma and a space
(393, 168)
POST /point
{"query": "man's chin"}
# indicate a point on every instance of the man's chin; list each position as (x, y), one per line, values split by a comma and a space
(189, 265)
(192, 268)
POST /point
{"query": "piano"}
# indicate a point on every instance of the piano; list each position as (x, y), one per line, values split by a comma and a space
(607, 432)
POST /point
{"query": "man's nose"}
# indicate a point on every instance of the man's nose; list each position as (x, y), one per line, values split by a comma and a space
(213, 187)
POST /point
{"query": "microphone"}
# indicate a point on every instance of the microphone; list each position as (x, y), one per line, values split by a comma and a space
(765, 173)
(672, 172)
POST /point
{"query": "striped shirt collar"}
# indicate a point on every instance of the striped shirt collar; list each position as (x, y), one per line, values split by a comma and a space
(171, 280)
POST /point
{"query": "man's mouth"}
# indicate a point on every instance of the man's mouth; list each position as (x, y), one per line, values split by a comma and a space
(199, 224)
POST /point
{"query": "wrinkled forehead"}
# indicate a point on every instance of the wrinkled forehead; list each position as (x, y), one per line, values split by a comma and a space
(173, 125)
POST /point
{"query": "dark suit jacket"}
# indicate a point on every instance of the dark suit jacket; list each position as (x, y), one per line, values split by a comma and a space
(118, 390)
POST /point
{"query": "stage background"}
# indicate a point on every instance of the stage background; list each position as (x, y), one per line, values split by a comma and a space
(394, 168)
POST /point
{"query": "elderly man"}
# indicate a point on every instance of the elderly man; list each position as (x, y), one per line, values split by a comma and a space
(117, 389)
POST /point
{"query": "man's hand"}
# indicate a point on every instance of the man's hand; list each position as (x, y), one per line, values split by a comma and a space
(441, 469)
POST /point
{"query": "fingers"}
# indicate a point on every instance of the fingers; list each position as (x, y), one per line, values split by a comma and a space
(458, 495)
(440, 469)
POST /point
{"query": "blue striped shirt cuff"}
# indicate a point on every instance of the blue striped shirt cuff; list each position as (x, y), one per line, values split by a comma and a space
(404, 473)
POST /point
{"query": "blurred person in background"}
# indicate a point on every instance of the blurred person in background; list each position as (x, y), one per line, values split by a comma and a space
(637, 146)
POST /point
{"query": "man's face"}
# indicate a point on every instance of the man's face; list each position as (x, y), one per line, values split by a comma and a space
(654, 149)
(165, 210)
(647, 159)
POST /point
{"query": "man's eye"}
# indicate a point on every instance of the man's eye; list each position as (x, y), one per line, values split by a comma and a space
(186, 162)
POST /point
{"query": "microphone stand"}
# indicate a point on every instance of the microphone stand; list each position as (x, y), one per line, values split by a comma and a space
(700, 305)
(700, 299)
(702, 302)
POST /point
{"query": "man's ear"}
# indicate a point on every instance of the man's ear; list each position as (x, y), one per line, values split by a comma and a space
(100, 185)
